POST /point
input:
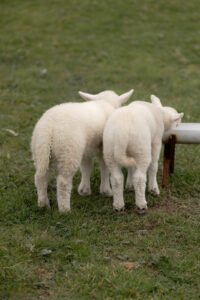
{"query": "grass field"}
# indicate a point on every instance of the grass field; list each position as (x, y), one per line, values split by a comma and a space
(48, 51)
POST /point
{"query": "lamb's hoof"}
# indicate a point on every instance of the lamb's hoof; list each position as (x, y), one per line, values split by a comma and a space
(154, 192)
(84, 191)
(118, 208)
(44, 204)
(106, 193)
(43, 208)
(64, 210)
(141, 211)
(129, 187)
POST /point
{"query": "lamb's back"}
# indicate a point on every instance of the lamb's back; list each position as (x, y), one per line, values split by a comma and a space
(147, 116)
(75, 124)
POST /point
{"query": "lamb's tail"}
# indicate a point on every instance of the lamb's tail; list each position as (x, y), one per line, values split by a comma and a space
(41, 148)
(120, 151)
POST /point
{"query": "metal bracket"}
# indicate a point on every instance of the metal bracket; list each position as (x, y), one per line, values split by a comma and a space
(168, 163)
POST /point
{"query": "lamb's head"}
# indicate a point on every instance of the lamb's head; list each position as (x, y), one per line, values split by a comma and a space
(171, 117)
(108, 96)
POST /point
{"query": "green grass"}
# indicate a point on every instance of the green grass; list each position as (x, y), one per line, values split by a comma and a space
(151, 46)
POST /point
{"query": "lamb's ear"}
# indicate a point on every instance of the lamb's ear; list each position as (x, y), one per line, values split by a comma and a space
(124, 97)
(86, 96)
(156, 101)
(178, 117)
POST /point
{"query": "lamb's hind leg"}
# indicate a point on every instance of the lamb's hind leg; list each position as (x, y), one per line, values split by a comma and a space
(139, 181)
(129, 180)
(105, 188)
(84, 188)
(41, 182)
(117, 181)
(64, 187)
(66, 171)
(153, 168)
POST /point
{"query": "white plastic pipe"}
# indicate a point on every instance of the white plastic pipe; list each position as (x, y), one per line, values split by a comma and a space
(186, 133)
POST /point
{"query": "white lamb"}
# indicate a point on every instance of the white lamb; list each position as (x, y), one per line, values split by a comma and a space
(71, 133)
(132, 138)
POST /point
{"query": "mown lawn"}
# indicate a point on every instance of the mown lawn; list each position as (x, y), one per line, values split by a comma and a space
(48, 51)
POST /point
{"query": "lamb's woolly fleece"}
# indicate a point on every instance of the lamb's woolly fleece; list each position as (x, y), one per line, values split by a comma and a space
(132, 138)
(71, 133)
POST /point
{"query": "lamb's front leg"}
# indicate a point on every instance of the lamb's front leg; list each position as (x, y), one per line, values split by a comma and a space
(105, 188)
(84, 188)
(153, 168)
(117, 181)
